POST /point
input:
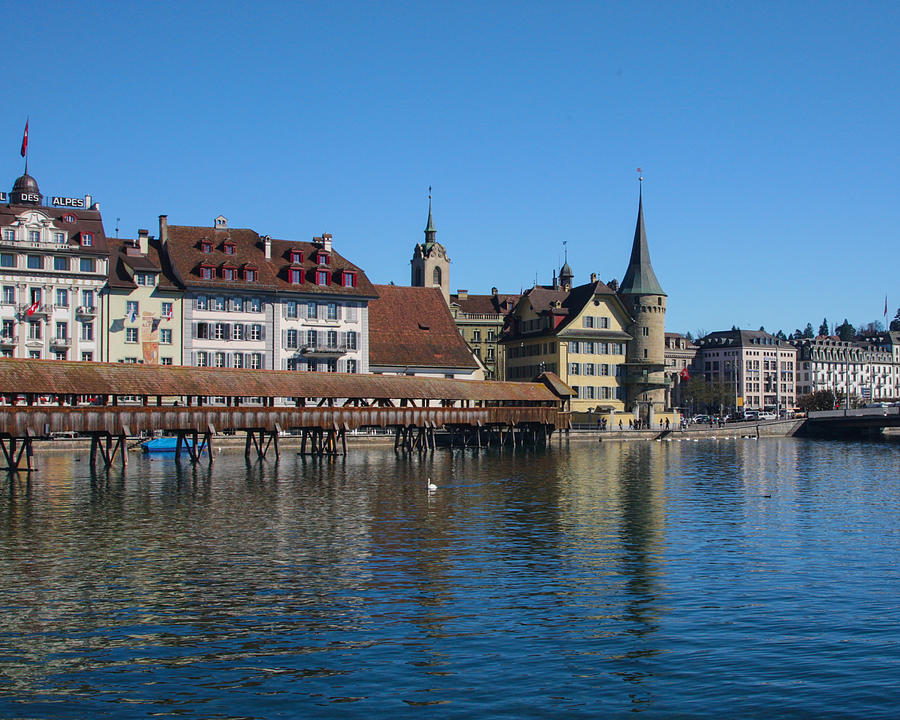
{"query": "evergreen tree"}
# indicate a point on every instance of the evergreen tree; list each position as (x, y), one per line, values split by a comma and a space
(808, 331)
(845, 331)
(780, 335)
(823, 328)
(895, 323)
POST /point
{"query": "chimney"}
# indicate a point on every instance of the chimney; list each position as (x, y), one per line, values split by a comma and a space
(462, 294)
(326, 242)
(88, 202)
(267, 244)
(143, 241)
(163, 230)
(593, 277)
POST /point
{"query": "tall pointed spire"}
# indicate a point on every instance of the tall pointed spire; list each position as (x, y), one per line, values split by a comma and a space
(429, 227)
(639, 278)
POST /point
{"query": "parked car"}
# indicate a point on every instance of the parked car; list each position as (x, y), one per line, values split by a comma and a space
(768, 416)
(700, 419)
(751, 415)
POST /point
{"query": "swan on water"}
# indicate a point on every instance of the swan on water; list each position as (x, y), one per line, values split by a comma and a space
(431, 485)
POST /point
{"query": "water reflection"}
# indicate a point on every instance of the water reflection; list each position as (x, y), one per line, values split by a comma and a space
(591, 578)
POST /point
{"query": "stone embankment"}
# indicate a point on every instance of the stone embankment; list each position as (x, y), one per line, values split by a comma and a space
(769, 428)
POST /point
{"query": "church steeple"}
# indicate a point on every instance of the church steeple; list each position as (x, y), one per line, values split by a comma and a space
(639, 278)
(430, 232)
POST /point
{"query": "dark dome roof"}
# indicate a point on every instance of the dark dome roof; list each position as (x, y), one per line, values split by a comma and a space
(565, 270)
(25, 184)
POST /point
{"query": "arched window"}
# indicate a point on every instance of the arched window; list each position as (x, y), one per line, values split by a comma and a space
(436, 277)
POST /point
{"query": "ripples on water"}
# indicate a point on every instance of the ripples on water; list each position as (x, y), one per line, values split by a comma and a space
(710, 578)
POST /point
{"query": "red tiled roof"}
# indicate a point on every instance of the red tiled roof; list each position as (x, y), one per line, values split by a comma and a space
(86, 221)
(485, 304)
(184, 251)
(120, 261)
(412, 327)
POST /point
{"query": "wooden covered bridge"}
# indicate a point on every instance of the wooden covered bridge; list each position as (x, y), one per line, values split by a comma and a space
(111, 402)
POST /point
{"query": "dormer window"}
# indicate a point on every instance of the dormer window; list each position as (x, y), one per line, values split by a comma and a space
(295, 275)
(207, 271)
(322, 258)
(68, 218)
(296, 257)
(321, 277)
(87, 239)
(205, 246)
(229, 247)
(250, 274)
(229, 272)
(348, 279)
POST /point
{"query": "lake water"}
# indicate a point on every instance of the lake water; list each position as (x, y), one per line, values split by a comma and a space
(739, 578)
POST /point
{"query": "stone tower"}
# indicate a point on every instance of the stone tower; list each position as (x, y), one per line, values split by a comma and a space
(645, 300)
(430, 264)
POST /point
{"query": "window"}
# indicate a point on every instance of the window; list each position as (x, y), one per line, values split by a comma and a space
(166, 310)
(61, 263)
(165, 361)
(321, 277)
(295, 276)
(35, 262)
(238, 360)
(312, 310)
(352, 366)
(436, 276)
(219, 304)
(9, 295)
(333, 311)
(206, 272)
(351, 340)
(219, 359)
(331, 365)
(255, 305)
(34, 354)
(311, 338)
(322, 258)
(62, 331)
(131, 309)
(603, 322)
(296, 257)
(587, 321)
(87, 298)
(220, 331)
(229, 273)
(35, 295)
(131, 335)
(34, 236)
(200, 303)
(89, 265)
(202, 360)
(87, 239)
(59, 238)
(573, 347)
(291, 338)
(645, 331)
(290, 308)
(492, 336)
(69, 218)
(202, 332)
(205, 246)
(588, 348)
(574, 369)
(34, 330)
(7, 260)
(7, 330)
(255, 361)
(237, 304)
(145, 279)
(348, 279)
(476, 336)
(250, 274)
(350, 313)
(256, 332)
(311, 365)
(87, 357)
(229, 248)
(9, 235)
(165, 336)
(237, 332)
(332, 338)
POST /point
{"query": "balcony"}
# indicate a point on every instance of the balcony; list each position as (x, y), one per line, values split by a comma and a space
(39, 311)
(61, 342)
(86, 311)
(7, 340)
(317, 350)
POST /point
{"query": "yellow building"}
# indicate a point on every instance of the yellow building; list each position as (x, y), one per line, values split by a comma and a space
(142, 306)
(577, 333)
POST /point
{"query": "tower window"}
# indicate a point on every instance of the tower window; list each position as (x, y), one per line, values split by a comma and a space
(436, 277)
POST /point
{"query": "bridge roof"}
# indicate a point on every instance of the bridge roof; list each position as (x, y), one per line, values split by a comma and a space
(51, 377)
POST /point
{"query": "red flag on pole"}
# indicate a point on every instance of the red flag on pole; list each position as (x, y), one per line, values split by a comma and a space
(32, 309)
(25, 140)
(885, 305)
(685, 375)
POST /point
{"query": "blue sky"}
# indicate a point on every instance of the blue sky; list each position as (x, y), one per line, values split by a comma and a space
(767, 135)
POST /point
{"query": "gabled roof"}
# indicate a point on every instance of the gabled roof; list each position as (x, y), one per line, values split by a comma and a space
(120, 262)
(485, 304)
(186, 255)
(639, 277)
(412, 327)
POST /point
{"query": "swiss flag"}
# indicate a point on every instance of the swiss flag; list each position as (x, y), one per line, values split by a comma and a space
(685, 375)
(32, 309)
(25, 140)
